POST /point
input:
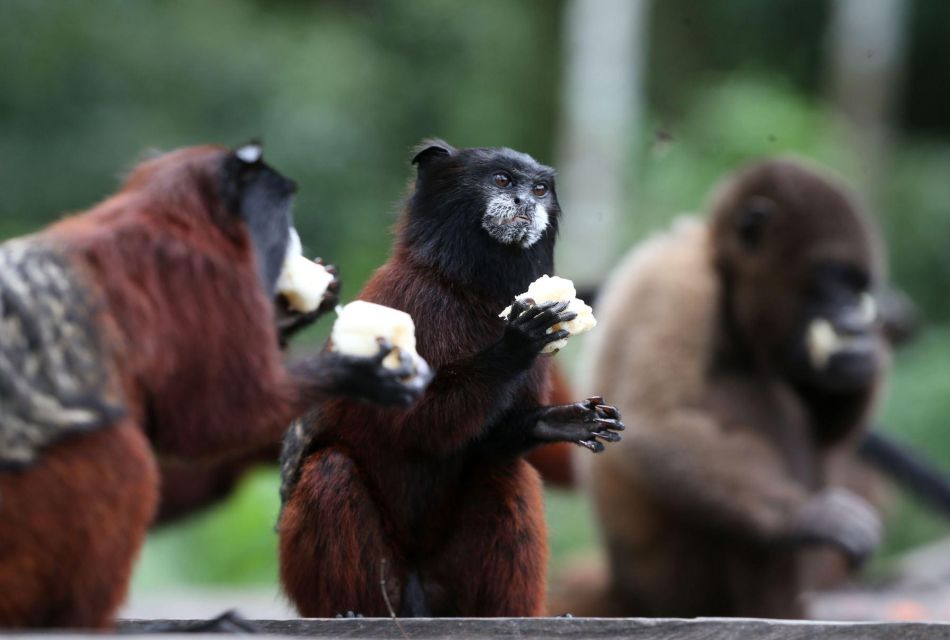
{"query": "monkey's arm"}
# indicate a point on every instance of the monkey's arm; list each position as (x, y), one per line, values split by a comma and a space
(330, 374)
(736, 482)
(586, 423)
(468, 395)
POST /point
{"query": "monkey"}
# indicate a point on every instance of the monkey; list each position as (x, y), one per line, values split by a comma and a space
(143, 329)
(746, 354)
(436, 501)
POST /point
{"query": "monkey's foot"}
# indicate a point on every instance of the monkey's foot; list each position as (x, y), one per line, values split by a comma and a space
(585, 423)
(349, 614)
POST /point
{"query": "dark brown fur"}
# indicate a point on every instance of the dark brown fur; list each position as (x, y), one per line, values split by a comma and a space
(702, 505)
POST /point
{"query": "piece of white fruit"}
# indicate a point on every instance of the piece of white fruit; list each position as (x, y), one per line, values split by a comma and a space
(554, 288)
(302, 282)
(360, 325)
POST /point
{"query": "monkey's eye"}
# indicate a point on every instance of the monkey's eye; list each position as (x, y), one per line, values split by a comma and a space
(539, 190)
(502, 179)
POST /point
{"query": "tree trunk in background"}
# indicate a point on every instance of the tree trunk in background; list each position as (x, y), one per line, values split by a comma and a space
(867, 54)
(603, 104)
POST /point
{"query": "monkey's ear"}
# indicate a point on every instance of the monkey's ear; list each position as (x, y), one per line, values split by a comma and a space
(754, 218)
(429, 149)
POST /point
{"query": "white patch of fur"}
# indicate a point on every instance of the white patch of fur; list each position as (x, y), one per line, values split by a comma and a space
(501, 209)
(539, 222)
(498, 217)
(250, 153)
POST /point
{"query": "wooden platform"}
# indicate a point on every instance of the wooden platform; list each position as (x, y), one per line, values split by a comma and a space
(638, 628)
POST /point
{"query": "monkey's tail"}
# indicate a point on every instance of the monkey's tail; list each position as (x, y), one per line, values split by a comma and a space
(909, 469)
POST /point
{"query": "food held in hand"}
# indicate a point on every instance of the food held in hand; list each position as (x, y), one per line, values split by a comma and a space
(302, 282)
(553, 288)
(360, 326)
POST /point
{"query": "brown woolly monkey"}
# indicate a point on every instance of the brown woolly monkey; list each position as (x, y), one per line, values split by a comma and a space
(435, 500)
(746, 355)
(143, 326)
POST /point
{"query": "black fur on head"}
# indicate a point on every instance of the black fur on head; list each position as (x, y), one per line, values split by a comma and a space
(264, 199)
(486, 218)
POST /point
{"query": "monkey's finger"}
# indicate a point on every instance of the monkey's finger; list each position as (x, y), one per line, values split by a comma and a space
(593, 445)
(548, 338)
(610, 423)
(609, 436)
(607, 411)
(595, 401)
(518, 307)
(532, 312)
(385, 348)
(545, 319)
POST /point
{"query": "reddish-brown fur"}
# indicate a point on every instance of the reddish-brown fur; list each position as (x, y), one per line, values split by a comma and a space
(399, 479)
(188, 489)
(194, 358)
(555, 461)
(63, 566)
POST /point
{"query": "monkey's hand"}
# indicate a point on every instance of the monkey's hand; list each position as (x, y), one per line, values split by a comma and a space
(842, 518)
(290, 321)
(526, 327)
(585, 423)
(370, 380)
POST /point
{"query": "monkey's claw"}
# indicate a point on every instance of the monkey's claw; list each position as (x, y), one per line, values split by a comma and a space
(589, 424)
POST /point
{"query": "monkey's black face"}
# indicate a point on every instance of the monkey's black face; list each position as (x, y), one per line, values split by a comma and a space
(483, 216)
(519, 197)
(837, 346)
(263, 198)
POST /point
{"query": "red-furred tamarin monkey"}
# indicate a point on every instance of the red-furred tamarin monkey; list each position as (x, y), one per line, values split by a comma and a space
(145, 326)
(436, 499)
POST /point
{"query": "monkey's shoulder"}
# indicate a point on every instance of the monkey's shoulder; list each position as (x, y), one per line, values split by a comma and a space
(53, 377)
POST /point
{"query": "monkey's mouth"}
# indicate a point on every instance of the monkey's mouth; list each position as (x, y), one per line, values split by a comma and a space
(510, 223)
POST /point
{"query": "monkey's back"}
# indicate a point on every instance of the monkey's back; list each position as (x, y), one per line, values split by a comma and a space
(54, 360)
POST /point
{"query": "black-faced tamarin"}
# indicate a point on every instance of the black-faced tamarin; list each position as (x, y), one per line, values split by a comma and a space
(436, 501)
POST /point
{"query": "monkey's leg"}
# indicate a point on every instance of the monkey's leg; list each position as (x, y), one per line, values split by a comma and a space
(495, 562)
(334, 555)
(71, 526)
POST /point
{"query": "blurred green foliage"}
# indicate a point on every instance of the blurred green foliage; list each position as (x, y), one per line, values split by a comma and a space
(340, 91)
